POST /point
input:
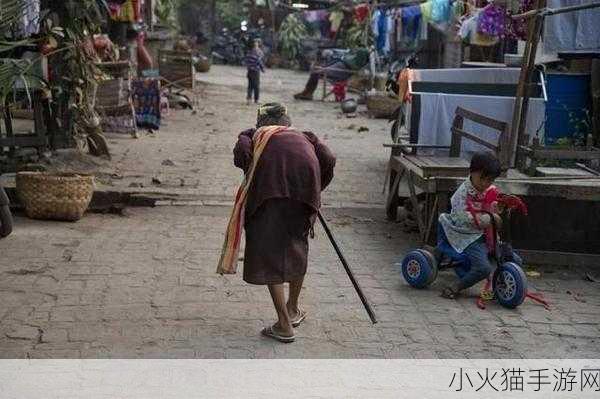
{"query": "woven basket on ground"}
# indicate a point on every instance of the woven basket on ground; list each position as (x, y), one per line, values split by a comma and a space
(358, 83)
(57, 196)
(380, 105)
(203, 64)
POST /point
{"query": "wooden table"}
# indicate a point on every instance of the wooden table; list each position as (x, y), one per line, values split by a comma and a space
(421, 173)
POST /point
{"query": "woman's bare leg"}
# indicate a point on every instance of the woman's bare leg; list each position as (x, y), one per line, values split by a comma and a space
(292, 303)
(283, 325)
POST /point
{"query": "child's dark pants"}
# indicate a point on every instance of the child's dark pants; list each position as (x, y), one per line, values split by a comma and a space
(253, 85)
(481, 266)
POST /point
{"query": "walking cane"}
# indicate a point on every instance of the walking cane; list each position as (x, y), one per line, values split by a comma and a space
(363, 299)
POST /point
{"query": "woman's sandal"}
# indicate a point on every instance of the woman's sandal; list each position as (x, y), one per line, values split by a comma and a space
(448, 293)
(301, 317)
(271, 333)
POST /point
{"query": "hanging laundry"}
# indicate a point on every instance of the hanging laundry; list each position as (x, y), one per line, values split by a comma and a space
(517, 28)
(398, 18)
(29, 23)
(378, 26)
(426, 9)
(388, 31)
(335, 18)
(492, 21)
(311, 16)
(123, 12)
(440, 11)
(411, 21)
(313, 19)
(361, 12)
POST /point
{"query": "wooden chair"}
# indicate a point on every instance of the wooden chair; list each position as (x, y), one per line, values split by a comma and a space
(421, 170)
(323, 71)
(12, 141)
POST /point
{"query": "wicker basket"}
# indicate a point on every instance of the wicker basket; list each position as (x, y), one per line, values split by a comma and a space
(380, 105)
(358, 83)
(203, 64)
(60, 196)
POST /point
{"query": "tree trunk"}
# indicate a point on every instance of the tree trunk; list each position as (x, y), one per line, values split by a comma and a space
(213, 15)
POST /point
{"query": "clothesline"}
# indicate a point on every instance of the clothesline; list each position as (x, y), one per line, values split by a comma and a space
(553, 11)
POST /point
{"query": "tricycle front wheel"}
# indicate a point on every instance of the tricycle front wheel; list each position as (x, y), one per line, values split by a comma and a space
(510, 285)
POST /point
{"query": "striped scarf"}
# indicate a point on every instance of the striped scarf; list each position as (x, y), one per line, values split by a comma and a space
(231, 245)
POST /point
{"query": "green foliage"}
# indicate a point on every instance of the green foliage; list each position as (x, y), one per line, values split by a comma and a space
(291, 34)
(356, 35)
(165, 12)
(12, 70)
(72, 61)
(231, 12)
(582, 126)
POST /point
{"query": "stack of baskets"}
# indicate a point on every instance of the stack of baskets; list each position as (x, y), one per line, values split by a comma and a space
(381, 104)
(56, 196)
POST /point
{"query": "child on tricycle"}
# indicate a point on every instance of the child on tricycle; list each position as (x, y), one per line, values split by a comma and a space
(467, 228)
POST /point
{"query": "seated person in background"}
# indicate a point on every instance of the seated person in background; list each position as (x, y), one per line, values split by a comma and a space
(464, 228)
(337, 70)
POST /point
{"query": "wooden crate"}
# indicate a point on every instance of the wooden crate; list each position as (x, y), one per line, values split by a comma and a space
(111, 93)
(119, 69)
(177, 68)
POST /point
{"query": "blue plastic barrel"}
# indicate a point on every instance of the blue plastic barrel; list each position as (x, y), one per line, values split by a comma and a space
(567, 94)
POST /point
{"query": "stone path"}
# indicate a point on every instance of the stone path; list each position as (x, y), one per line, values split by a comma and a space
(143, 284)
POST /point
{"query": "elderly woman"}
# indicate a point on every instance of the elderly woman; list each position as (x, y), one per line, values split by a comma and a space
(283, 199)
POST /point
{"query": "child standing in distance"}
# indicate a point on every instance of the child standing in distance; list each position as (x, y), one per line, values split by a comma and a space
(254, 65)
(465, 228)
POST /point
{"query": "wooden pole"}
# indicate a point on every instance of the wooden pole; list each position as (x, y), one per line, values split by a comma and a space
(523, 89)
(596, 100)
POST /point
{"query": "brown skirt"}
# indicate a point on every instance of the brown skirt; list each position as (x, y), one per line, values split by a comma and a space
(277, 242)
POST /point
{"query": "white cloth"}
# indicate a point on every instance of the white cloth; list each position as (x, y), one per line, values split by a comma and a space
(468, 75)
(459, 225)
(437, 115)
(570, 31)
(389, 29)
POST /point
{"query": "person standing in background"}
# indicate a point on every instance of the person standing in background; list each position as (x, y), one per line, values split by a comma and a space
(255, 65)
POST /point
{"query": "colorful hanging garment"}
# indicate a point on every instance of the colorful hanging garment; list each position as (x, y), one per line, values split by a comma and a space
(426, 11)
(125, 12)
(440, 11)
(411, 21)
(517, 28)
(231, 245)
(146, 100)
(361, 12)
(492, 21)
(335, 18)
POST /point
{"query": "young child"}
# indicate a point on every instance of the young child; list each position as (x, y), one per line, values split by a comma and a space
(464, 229)
(255, 65)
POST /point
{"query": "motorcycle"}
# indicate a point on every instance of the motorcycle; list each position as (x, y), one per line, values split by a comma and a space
(6, 222)
(227, 49)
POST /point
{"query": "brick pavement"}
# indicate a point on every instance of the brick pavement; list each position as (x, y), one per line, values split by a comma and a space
(143, 285)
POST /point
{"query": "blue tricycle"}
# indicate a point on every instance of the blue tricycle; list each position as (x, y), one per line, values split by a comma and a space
(508, 282)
